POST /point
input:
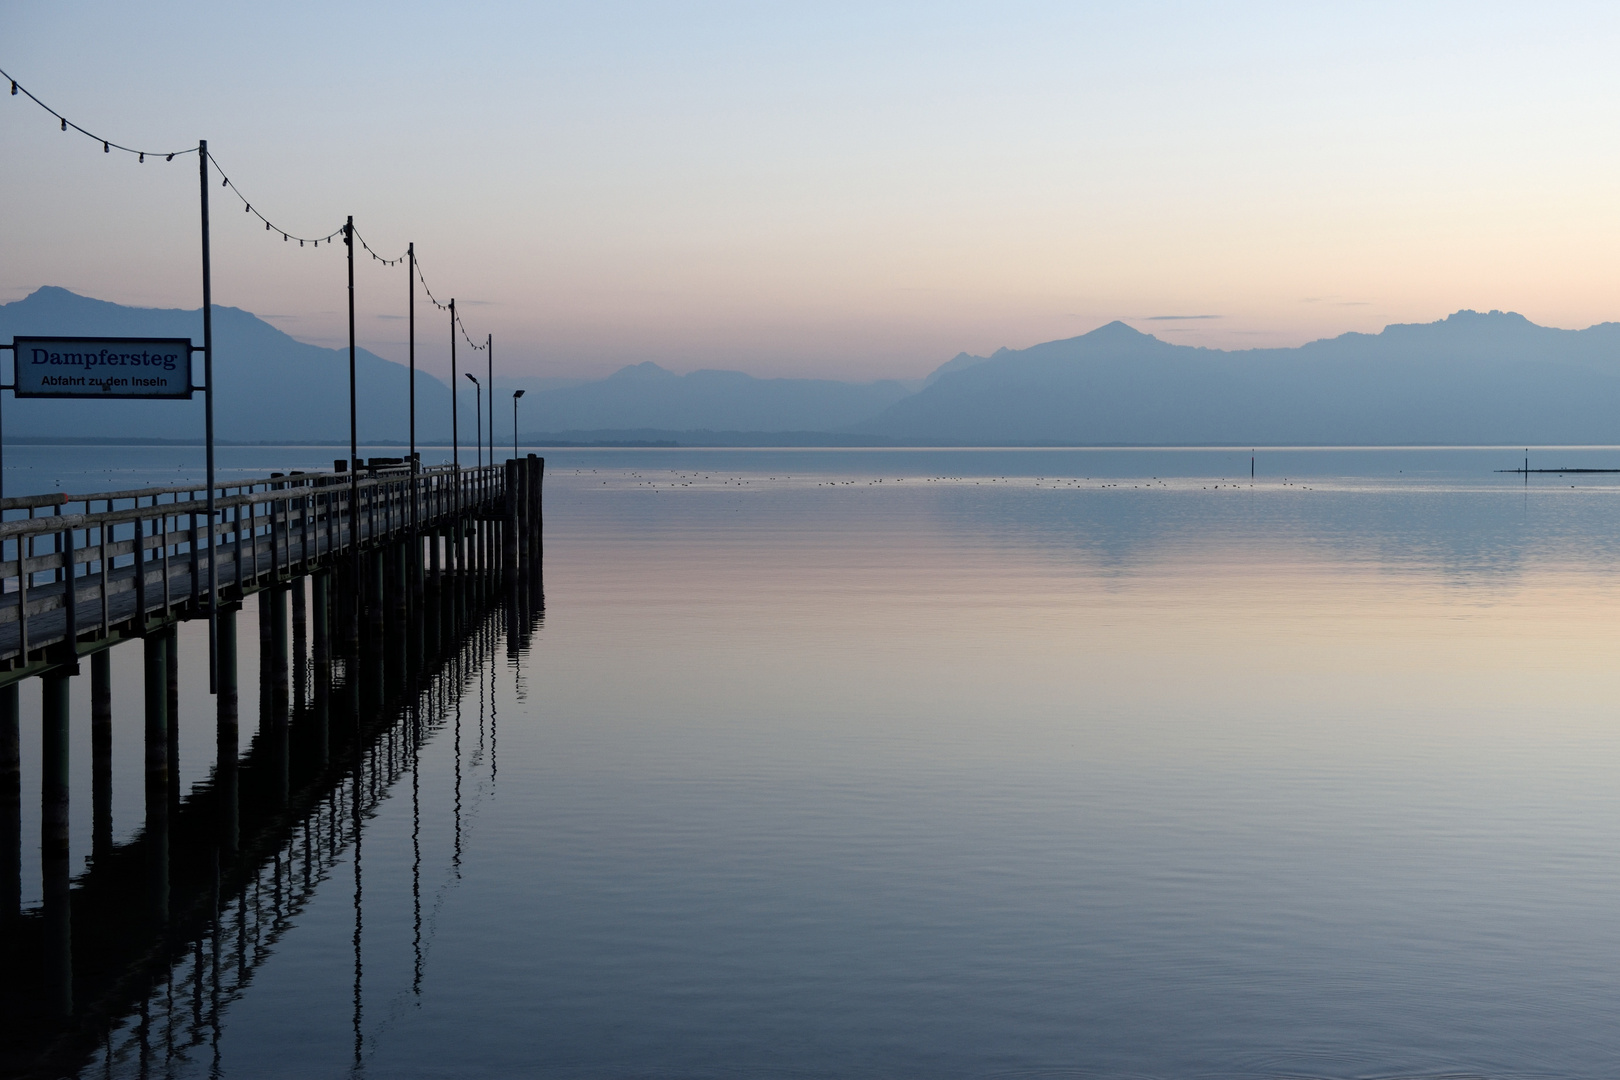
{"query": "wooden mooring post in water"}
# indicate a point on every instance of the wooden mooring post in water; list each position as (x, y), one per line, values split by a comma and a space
(82, 573)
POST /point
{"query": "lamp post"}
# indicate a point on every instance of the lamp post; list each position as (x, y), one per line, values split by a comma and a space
(478, 411)
(515, 395)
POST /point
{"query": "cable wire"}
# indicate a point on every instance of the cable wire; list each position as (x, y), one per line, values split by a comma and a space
(107, 145)
(446, 307)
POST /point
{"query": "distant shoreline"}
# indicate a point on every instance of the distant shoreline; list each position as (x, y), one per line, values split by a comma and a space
(671, 444)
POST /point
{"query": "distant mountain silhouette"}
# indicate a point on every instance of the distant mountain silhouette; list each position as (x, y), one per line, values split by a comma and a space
(1494, 377)
(271, 386)
(1470, 378)
(959, 362)
(647, 396)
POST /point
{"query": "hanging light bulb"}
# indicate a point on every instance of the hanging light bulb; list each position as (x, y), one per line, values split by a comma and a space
(300, 243)
(246, 209)
(143, 160)
(223, 181)
(105, 149)
(64, 123)
(267, 226)
(170, 158)
(13, 87)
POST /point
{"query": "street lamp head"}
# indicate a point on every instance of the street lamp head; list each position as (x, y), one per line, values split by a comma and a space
(471, 378)
(517, 394)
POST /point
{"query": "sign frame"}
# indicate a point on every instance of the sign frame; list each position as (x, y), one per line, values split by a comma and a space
(116, 347)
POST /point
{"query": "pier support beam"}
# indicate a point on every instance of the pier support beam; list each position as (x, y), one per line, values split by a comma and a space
(400, 592)
(322, 624)
(280, 652)
(171, 652)
(53, 844)
(321, 628)
(300, 641)
(157, 774)
(514, 514)
(227, 733)
(536, 523)
(376, 596)
(101, 754)
(10, 812)
(274, 723)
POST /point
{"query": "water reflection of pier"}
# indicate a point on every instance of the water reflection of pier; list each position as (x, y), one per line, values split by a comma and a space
(136, 960)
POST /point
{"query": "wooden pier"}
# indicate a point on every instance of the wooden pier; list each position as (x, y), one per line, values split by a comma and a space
(402, 566)
(136, 560)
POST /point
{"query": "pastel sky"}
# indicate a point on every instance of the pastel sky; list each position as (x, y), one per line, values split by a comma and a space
(823, 189)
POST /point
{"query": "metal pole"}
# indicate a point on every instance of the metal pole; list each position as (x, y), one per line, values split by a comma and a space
(410, 252)
(354, 443)
(354, 438)
(208, 418)
(416, 493)
(489, 350)
(515, 395)
(12, 350)
(455, 434)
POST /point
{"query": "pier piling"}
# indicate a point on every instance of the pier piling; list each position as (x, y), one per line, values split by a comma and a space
(53, 844)
(227, 731)
(10, 813)
(100, 753)
(385, 620)
(157, 774)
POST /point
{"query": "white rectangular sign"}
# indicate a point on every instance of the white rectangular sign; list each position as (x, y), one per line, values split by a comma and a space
(102, 367)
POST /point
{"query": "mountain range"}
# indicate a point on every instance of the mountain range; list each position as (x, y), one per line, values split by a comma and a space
(1473, 377)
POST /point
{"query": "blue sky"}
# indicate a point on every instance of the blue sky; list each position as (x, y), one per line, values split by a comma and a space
(853, 191)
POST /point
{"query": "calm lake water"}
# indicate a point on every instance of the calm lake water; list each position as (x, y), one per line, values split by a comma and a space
(967, 763)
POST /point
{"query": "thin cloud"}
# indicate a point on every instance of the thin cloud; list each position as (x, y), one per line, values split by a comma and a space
(1181, 318)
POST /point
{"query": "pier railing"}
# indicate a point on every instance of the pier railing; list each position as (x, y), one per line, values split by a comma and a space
(128, 555)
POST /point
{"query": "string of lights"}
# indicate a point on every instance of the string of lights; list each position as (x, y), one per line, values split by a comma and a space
(107, 145)
(421, 278)
(470, 341)
(430, 296)
(269, 226)
(376, 257)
